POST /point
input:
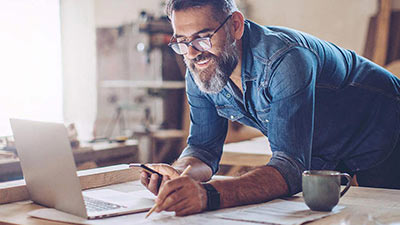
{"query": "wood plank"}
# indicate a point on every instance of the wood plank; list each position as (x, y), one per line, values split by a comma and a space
(244, 159)
(104, 176)
(14, 191)
(394, 37)
(382, 32)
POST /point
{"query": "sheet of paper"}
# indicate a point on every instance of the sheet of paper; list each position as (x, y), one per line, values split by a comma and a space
(277, 212)
(197, 219)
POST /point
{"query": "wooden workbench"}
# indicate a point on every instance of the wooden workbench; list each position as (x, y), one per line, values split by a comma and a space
(362, 205)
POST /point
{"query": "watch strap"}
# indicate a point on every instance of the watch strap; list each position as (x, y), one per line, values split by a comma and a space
(213, 197)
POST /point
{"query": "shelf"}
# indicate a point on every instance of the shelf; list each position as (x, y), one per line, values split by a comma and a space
(143, 84)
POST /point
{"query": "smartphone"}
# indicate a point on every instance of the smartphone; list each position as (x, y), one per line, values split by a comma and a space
(146, 168)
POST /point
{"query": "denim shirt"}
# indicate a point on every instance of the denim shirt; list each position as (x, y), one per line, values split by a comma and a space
(317, 103)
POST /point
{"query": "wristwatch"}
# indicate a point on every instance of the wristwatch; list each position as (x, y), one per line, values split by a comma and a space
(213, 197)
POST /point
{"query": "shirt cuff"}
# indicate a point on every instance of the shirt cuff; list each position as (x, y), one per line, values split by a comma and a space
(205, 156)
(290, 169)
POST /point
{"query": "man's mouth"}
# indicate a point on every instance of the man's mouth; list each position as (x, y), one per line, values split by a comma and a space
(203, 63)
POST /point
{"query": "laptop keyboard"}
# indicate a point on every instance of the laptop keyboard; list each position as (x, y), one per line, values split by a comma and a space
(95, 205)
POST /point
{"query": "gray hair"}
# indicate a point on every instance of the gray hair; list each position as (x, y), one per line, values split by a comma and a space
(221, 8)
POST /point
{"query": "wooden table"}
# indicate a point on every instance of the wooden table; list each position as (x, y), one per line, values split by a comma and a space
(362, 205)
(102, 154)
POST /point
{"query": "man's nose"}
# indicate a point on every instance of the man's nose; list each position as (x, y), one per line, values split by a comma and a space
(192, 52)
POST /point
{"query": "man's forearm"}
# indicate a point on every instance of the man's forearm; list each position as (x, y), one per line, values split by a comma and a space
(200, 171)
(259, 185)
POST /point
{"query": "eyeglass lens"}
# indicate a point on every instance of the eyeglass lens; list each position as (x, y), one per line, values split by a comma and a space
(200, 44)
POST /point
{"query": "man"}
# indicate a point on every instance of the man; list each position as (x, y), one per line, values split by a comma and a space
(321, 106)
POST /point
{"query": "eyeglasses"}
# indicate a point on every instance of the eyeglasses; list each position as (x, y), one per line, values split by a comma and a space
(200, 44)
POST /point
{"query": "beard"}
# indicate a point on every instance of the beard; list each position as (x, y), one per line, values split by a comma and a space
(213, 79)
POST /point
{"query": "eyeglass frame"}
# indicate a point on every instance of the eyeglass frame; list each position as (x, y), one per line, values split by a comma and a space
(190, 43)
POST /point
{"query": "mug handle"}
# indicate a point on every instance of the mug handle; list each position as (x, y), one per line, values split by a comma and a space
(349, 178)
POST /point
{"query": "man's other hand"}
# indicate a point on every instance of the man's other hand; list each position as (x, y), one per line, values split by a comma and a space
(182, 195)
(152, 181)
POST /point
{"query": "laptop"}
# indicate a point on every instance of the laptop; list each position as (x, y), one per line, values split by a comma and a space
(50, 174)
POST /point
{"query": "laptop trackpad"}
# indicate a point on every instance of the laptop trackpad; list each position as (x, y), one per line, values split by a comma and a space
(143, 199)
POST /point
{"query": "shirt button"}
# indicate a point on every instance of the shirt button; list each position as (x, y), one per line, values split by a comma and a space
(267, 121)
(232, 117)
(228, 95)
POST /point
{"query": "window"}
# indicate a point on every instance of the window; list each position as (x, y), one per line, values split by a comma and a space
(30, 59)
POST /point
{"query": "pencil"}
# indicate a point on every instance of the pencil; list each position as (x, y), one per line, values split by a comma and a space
(155, 205)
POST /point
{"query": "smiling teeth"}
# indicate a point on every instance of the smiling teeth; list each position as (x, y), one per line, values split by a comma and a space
(203, 62)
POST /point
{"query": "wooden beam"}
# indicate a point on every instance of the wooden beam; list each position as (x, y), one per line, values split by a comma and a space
(382, 32)
(14, 191)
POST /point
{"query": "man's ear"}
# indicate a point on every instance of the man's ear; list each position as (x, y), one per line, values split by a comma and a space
(238, 25)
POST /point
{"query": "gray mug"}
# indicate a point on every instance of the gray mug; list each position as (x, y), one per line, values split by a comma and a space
(321, 188)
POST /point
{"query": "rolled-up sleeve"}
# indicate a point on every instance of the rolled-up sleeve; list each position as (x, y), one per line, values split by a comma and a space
(290, 130)
(289, 168)
(207, 129)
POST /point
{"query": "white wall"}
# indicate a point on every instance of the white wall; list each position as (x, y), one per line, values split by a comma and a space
(79, 64)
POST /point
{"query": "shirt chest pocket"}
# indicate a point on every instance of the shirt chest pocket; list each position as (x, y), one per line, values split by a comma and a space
(229, 112)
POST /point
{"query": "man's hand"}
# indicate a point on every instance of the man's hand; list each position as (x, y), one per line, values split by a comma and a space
(182, 195)
(151, 181)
